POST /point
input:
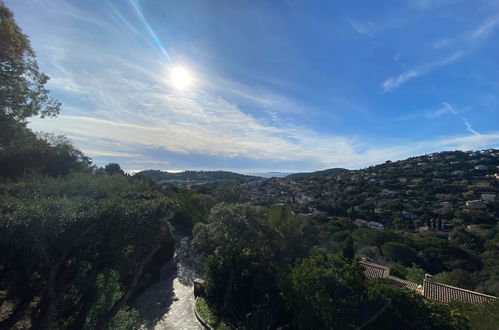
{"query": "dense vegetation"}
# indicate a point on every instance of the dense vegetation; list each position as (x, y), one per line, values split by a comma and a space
(194, 177)
(301, 176)
(77, 248)
(265, 269)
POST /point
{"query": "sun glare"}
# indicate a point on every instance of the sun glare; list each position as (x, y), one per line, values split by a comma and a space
(180, 78)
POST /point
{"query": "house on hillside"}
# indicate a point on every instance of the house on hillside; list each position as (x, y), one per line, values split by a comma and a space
(475, 204)
(488, 196)
(446, 293)
(446, 205)
(423, 229)
(430, 289)
(387, 192)
(375, 225)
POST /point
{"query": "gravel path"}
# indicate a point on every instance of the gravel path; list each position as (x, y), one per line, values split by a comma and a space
(169, 303)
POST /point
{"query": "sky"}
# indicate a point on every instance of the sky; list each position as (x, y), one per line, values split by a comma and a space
(275, 85)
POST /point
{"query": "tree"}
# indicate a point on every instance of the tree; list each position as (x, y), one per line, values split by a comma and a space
(113, 168)
(22, 85)
(466, 239)
(82, 245)
(399, 252)
(29, 153)
(348, 250)
(415, 274)
(236, 250)
(400, 308)
(326, 292)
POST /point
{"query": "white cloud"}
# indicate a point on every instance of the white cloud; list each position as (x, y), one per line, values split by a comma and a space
(484, 29)
(447, 108)
(364, 29)
(127, 111)
(394, 82)
(100, 153)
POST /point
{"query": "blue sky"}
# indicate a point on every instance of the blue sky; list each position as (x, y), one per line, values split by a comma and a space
(277, 85)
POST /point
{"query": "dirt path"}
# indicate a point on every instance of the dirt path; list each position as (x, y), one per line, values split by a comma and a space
(169, 303)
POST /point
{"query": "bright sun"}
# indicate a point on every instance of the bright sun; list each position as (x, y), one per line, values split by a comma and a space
(180, 78)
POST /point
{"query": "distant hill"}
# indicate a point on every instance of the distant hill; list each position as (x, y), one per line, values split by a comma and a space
(270, 174)
(331, 171)
(194, 177)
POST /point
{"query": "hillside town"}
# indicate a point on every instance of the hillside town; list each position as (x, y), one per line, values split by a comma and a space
(432, 192)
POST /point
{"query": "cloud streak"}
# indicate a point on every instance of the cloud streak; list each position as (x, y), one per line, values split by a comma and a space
(447, 108)
(394, 82)
(487, 27)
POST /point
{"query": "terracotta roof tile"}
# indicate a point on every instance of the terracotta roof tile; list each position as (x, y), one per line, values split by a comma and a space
(447, 293)
(406, 284)
(372, 270)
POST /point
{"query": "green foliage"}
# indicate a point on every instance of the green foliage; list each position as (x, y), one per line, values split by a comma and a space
(289, 230)
(22, 85)
(193, 207)
(415, 274)
(326, 291)
(198, 177)
(400, 308)
(466, 239)
(348, 250)
(398, 270)
(484, 316)
(457, 277)
(399, 252)
(210, 316)
(237, 253)
(82, 245)
(28, 154)
(113, 168)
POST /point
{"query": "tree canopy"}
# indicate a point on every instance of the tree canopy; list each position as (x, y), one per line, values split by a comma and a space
(22, 84)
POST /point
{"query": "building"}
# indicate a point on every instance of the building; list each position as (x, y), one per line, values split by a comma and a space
(475, 204)
(374, 225)
(446, 293)
(430, 289)
(372, 270)
(488, 196)
(387, 192)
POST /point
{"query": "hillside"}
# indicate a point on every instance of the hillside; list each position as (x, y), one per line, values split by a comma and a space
(436, 190)
(306, 175)
(189, 178)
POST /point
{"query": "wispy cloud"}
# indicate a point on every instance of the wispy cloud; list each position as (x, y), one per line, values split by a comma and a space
(447, 108)
(484, 29)
(99, 153)
(394, 82)
(118, 105)
(366, 29)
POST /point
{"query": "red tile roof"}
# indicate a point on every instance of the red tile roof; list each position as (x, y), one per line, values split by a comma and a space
(430, 289)
(372, 270)
(406, 284)
(447, 293)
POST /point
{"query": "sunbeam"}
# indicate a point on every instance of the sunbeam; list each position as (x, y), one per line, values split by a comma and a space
(153, 34)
